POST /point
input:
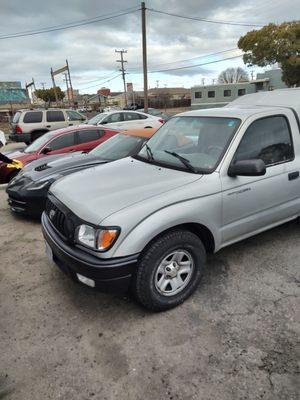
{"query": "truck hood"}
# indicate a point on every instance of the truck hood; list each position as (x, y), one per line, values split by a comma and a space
(95, 193)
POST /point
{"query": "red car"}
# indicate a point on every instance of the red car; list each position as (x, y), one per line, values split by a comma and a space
(75, 138)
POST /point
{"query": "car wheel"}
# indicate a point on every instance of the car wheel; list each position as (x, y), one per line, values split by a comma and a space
(169, 270)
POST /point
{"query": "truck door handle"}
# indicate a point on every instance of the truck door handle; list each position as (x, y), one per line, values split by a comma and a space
(293, 175)
(70, 124)
(48, 126)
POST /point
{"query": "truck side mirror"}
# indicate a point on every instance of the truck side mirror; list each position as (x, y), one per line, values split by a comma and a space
(247, 168)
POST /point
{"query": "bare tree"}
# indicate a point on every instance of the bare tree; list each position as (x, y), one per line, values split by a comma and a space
(233, 75)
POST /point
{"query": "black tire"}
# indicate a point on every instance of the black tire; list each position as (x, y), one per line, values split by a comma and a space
(143, 285)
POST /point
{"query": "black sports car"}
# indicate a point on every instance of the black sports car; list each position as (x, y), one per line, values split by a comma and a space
(27, 192)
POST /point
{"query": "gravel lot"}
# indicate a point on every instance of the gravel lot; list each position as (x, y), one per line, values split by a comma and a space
(236, 338)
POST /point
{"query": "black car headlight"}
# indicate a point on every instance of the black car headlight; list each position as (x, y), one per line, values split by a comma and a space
(42, 183)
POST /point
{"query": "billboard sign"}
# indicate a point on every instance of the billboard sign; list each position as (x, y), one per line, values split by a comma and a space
(60, 70)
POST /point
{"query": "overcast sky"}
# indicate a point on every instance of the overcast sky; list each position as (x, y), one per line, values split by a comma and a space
(90, 49)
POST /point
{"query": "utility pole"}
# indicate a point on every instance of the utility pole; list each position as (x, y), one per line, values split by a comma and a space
(122, 69)
(54, 86)
(144, 41)
(68, 89)
(43, 85)
(70, 84)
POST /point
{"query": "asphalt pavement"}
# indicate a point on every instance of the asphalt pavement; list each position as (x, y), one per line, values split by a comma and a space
(237, 337)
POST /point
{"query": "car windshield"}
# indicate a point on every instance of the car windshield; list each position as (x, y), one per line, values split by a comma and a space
(190, 143)
(39, 142)
(97, 118)
(119, 146)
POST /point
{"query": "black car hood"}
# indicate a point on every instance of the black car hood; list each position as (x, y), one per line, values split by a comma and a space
(62, 165)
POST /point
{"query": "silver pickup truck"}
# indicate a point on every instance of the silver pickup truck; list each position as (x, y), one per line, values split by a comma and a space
(205, 180)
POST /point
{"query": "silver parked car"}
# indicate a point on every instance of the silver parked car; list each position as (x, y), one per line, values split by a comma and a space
(206, 179)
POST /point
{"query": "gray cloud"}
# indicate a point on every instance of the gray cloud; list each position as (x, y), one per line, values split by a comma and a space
(90, 49)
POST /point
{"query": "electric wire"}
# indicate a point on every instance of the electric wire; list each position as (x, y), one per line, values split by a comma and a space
(67, 26)
(212, 21)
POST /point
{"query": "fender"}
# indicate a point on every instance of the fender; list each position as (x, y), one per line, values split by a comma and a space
(171, 216)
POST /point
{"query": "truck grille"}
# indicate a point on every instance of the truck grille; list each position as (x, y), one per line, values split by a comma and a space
(58, 219)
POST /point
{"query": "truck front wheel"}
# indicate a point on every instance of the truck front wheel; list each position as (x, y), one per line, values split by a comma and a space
(169, 270)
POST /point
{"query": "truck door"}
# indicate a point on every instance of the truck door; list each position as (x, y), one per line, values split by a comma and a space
(252, 204)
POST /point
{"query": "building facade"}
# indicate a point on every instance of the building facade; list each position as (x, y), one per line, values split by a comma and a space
(12, 97)
(219, 95)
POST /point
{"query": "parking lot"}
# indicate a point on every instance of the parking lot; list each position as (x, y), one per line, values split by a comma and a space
(236, 338)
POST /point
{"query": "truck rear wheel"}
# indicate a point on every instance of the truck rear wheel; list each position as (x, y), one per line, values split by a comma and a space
(169, 270)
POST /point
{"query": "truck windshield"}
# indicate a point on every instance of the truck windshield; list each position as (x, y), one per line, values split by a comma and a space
(191, 143)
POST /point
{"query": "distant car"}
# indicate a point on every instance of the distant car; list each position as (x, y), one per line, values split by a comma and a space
(126, 120)
(79, 138)
(28, 191)
(111, 108)
(27, 125)
(132, 106)
(157, 113)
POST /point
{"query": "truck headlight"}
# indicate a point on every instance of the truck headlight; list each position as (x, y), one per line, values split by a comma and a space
(87, 235)
(97, 239)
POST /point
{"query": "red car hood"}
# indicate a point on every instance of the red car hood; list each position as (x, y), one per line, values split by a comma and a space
(15, 155)
(21, 156)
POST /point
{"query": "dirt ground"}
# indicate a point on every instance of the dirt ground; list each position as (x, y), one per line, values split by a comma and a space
(236, 338)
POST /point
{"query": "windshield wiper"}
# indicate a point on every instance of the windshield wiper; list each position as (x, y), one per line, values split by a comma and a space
(184, 161)
(149, 152)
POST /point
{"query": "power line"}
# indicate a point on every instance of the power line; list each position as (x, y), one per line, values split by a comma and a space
(96, 80)
(212, 21)
(108, 80)
(70, 23)
(195, 65)
(66, 26)
(187, 59)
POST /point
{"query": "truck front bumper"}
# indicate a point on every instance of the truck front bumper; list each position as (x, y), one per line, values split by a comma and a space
(107, 275)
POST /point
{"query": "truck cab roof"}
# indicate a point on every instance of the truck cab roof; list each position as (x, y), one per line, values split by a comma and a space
(287, 98)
